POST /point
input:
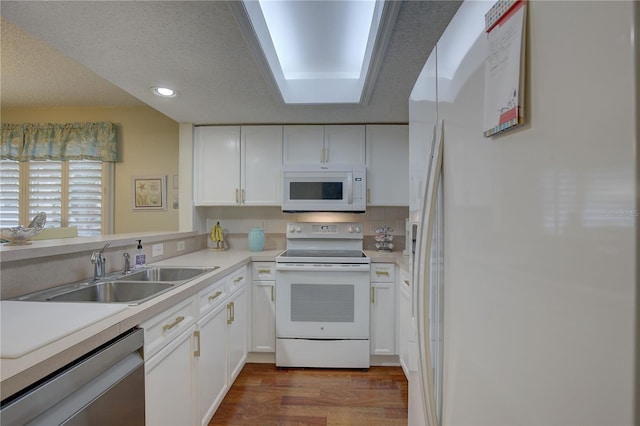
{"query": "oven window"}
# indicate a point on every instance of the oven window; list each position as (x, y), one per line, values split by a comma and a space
(315, 190)
(322, 303)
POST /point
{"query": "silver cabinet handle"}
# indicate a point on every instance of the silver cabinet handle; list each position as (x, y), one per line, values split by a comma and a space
(386, 273)
(237, 280)
(215, 296)
(229, 318)
(373, 295)
(236, 196)
(264, 271)
(243, 196)
(273, 298)
(169, 326)
(406, 282)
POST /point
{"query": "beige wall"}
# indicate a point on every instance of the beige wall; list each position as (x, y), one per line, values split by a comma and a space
(148, 143)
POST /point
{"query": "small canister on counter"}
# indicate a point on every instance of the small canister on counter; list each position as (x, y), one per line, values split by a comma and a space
(256, 239)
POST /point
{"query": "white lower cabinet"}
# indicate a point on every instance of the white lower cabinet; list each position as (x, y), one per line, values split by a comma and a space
(383, 309)
(263, 310)
(169, 378)
(237, 333)
(169, 365)
(194, 351)
(211, 362)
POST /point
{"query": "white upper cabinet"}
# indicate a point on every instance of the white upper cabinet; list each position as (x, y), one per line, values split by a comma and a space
(236, 165)
(344, 144)
(216, 154)
(324, 144)
(388, 165)
(261, 165)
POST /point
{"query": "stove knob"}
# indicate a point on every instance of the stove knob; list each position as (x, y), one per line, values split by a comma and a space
(292, 228)
(358, 230)
(350, 229)
(298, 228)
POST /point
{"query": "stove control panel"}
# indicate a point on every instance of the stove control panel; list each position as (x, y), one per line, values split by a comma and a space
(317, 230)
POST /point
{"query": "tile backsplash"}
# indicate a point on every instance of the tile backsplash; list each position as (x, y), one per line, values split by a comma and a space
(237, 221)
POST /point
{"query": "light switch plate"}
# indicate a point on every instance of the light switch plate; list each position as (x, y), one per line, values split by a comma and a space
(157, 250)
(180, 246)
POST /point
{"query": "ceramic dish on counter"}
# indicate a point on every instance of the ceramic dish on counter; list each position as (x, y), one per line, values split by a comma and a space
(19, 235)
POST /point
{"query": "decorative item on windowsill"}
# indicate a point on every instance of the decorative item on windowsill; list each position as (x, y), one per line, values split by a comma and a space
(19, 235)
(383, 238)
(217, 236)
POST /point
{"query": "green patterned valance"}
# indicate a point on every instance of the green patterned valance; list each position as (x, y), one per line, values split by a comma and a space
(71, 141)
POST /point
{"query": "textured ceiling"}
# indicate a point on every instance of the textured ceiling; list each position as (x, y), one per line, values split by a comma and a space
(94, 53)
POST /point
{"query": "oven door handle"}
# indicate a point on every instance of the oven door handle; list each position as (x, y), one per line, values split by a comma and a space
(313, 267)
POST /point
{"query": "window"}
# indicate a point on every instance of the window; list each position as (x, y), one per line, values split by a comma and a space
(71, 193)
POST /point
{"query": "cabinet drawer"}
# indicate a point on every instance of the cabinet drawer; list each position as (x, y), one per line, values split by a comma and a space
(236, 279)
(163, 328)
(211, 296)
(264, 271)
(383, 272)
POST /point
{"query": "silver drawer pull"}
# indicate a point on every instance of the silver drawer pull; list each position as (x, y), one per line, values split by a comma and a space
(406, 282)
(215, 296)
(237, 280)
(264, 271)
(177, 321)
(382, 273)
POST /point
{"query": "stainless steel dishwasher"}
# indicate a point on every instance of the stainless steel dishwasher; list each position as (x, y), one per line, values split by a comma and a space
(104, 387)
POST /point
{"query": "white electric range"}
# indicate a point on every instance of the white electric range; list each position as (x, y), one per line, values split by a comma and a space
(322, 297)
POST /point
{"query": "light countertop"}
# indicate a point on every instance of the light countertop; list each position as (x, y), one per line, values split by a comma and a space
(21, 371)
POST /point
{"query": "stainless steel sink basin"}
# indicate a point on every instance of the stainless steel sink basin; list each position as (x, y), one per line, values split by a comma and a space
(166, 274)
(132, 289)
(113, 292)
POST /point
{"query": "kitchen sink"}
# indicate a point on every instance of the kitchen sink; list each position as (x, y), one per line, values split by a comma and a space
(133, 288)
(166, 274)
(113, 292)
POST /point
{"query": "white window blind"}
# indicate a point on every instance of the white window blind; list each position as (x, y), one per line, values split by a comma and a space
(10, 190)
(85, 196)
(71, 193)
(45, 191)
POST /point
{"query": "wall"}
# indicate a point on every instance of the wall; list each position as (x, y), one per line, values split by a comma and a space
(148, 142)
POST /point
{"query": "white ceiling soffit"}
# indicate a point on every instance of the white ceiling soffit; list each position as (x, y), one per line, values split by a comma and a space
(318, 52)
(195, 47)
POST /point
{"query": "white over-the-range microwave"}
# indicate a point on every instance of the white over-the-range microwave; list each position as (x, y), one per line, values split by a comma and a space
(324, 188)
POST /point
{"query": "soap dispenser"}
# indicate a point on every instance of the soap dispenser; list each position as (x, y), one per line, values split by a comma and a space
(140, 257)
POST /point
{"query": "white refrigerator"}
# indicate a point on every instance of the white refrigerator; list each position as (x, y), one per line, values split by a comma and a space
(525, 284)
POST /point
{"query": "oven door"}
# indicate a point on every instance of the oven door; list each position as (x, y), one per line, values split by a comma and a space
(322, 301)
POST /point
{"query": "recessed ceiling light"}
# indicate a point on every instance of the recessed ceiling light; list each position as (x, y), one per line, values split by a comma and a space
(165, 92)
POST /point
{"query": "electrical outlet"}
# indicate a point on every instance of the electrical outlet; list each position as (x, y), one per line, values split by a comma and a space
(157, 250)
(180, 245)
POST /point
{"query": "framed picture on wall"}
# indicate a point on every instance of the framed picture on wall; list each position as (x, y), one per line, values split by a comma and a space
(149, 192)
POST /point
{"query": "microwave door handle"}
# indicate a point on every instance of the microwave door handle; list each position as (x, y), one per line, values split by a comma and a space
(350, 188)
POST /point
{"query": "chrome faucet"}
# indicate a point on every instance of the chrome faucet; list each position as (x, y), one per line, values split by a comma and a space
(99, 262)
(127, 264)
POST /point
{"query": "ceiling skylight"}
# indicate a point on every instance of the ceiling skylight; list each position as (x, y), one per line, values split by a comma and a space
(317, 51)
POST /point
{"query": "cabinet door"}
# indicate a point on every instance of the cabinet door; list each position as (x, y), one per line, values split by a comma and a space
(344, 144)
(303, 144)
(261, 164)
(217, 165)
(237, 327)
(388, 165)
(213, 376)
(383, 329)
(263, 330)
(169, 380)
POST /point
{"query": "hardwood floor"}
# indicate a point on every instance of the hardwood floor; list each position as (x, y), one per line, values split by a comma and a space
(265, 395)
